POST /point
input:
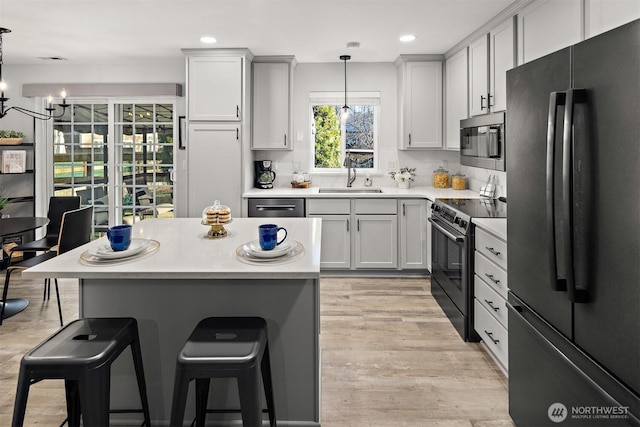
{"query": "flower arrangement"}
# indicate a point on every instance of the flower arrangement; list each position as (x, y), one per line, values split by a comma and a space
(404, 174)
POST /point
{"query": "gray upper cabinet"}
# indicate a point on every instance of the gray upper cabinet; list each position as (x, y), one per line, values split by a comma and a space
(272, 101)
(546, 26)
(502, 58)
(456, 93)
(489, 59)
(605, 15)
(214, 88)
(478, 76)
(420, 101)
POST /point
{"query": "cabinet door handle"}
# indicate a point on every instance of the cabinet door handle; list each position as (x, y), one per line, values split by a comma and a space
(409, 139)
(404, 209)
(238, 111)
(490, 335)
(347, 226)
(493, 251)
(285, 139)
(237, 134)
(489, 104)
(490, 304)
(492, 278)
(482, 107)
(358, 225)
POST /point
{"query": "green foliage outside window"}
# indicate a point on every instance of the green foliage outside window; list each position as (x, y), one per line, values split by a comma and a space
(327, 138)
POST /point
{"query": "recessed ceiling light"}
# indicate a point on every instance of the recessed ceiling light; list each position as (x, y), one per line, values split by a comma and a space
(407, 38)
(208, 39)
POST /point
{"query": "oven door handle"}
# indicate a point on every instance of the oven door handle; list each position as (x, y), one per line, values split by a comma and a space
(450, 235)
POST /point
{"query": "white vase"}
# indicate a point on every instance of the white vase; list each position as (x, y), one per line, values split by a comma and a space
(404, 184)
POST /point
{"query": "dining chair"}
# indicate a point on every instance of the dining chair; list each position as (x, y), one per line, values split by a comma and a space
(75, 230)
(57, 206)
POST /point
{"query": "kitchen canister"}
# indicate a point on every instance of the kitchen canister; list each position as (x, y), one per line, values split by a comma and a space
(458, 181)
(441, 178)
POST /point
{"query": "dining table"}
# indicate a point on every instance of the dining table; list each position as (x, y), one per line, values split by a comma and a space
(13, 226)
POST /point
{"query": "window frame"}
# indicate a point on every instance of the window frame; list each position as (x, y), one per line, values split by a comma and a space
(337, 98)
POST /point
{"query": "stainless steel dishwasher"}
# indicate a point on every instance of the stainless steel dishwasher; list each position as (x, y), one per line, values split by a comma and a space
(276, 208)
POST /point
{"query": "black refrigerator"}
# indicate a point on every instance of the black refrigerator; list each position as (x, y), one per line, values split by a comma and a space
(573, 229)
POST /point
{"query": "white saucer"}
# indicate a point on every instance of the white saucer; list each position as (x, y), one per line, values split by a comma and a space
(253, 248)
(105, 251)
(289, 256)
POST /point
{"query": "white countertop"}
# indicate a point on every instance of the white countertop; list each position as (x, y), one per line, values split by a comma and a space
(186, 253)
(430, 193)
(495, 226)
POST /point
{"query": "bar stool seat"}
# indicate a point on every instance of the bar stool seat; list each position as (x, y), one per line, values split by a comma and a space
(81, 353)
(223, 347)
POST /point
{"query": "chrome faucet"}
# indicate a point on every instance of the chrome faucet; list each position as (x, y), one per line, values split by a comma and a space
(348, 163)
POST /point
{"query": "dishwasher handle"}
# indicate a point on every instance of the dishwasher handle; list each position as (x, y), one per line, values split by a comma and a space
(275, 207)
(269, 207)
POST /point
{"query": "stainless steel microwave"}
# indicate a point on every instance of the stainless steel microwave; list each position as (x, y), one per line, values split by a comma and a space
(482, 141)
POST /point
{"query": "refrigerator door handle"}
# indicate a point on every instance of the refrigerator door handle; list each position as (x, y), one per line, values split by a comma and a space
(556, 99)
(574, 292)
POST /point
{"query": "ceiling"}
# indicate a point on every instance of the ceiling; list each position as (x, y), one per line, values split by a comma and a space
(126, 31)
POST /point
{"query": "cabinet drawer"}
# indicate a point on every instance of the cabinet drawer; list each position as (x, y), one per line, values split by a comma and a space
(491, 300)
(492, 333)
(328, 206)
(493, 275)
(376, 206)
(492, 247)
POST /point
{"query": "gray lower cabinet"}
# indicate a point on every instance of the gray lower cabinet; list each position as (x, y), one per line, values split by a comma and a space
(490, 295)
(412, 240)
(336, 231)
(357, 233)
(376, 241)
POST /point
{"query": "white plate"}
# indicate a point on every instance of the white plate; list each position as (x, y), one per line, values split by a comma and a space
(245, 256)
(88, 258)
(253, 248)
(105, 251)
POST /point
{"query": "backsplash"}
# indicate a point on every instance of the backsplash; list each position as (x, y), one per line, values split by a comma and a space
(425, 162)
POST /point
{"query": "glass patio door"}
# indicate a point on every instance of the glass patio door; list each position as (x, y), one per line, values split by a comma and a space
(127, 178)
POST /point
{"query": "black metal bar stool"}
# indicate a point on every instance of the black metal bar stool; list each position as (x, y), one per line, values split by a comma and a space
(81, 353)
(223, 347)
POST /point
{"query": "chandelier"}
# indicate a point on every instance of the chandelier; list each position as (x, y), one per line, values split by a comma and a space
(36, 115)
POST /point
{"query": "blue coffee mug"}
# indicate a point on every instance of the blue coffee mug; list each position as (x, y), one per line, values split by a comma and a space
(119, 237)
(268, 236)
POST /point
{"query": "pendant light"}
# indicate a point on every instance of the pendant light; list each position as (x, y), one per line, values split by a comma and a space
(36, 115)
(345, 111)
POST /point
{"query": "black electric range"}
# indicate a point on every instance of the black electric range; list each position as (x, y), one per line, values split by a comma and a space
(452, 256)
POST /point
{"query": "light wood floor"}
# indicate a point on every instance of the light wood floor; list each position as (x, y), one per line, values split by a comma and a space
(389, 358)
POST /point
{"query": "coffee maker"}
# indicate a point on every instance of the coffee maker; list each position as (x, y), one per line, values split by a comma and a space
(264, 176)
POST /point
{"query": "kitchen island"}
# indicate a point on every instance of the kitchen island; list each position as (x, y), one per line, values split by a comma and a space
(190, 277)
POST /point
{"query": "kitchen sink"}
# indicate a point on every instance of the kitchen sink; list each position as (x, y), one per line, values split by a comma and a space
(349, 190)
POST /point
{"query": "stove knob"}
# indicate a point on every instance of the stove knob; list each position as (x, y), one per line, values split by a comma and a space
(456, 220)
(436, 208)
(463, 223)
